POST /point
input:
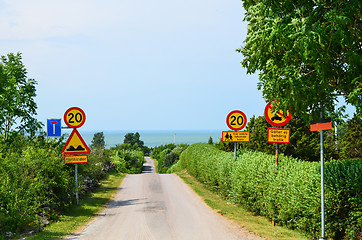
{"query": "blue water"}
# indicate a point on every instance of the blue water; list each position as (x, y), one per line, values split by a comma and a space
(155, 138)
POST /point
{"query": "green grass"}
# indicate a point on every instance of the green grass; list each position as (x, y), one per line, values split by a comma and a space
(257, 224)
(78, 216)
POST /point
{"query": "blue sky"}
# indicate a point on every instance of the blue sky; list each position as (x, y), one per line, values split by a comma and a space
(134, 64)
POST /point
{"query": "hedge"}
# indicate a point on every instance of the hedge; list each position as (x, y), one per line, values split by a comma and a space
(288, 195)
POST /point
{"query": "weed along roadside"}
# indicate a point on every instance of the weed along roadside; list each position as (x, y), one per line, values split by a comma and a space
(77, 216)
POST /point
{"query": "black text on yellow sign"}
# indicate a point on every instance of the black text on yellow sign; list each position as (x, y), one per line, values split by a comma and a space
(236, 136)
(72, 159)
(278, 135)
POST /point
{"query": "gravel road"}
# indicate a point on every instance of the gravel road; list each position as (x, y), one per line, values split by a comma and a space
(152, 206)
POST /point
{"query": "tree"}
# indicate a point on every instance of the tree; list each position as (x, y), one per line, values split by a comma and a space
(304, 144)
(98, 141)
(17, 93)
(306, 53)
(210, 141)
(133, 138)
(351, 144)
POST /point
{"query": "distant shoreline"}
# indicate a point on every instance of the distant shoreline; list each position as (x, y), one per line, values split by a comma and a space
(153, 138)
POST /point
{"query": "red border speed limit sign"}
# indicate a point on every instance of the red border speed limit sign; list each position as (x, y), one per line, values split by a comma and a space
(74, 117)
(236, 120)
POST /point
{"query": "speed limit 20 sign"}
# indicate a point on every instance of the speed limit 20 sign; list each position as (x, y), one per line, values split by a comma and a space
(74, 117)
(236, 120)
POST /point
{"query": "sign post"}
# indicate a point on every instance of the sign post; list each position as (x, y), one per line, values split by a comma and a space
(277, 120)
(277, 135)
(323, 124)
(236, 120)
(75, 150)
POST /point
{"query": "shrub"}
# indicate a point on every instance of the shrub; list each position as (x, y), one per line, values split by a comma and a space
(290, 194)
(128, 161)
(167, 155)
(36, 185)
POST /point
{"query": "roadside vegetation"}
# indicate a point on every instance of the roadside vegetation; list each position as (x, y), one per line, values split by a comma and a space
(37, 188)
(167, 155)
(288, 195)
(259, 225)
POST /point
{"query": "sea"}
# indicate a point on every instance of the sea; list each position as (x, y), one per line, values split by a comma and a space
(153, 138)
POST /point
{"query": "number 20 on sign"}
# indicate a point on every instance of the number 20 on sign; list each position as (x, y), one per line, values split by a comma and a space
(236, 120)
(74, 117)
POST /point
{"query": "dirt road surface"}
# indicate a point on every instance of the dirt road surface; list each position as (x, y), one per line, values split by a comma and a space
(152, 206)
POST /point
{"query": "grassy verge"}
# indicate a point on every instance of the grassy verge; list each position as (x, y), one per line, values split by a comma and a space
(259, 225)
(78, 216)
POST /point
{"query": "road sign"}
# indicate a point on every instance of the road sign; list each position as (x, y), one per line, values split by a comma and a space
(236, 120)
(75, 144)
(73, 159)
(277, 119)
(54, 127)
(74, 117)
(235, 136)
(278, 135)
(323, 124)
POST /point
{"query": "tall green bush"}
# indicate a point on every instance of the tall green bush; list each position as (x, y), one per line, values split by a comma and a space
(36, 185)
(167, 155)
(288, 195)
(128, 161)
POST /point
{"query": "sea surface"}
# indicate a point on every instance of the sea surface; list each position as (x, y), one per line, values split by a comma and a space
(154, 138)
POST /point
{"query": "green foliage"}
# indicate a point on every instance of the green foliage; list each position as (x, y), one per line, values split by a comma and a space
(210, 141)
(132, 141)
(36, 185)
(128, 161)
(288, 195)
(17, 93)
(306, 52)
(167, 155)
(351, 144)
(344, 198)
(98, 141)
(304, 144)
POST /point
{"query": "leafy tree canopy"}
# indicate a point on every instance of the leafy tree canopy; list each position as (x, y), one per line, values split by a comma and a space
(133, 138)
(17, 93)
(306, 52)
(98, 140)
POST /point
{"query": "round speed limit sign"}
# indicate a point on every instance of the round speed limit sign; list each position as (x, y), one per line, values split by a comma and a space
(236, 120)
(74, 117)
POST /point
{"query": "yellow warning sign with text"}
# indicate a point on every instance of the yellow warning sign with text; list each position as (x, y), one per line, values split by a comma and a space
(75, 144)
(236, 136)
(278, 135)
(75, 159)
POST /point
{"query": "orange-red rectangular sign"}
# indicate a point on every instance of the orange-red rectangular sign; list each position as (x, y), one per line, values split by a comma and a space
(71, 159)
(278, 135)
(321, 126)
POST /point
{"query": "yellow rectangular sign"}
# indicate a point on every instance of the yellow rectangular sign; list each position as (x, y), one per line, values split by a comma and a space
(72, 159)
(278, 135)
(236, 136)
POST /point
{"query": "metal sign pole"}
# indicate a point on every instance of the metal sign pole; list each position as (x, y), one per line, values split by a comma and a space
(76, 182)
(276, 154)
(322, 177)
(322, 186)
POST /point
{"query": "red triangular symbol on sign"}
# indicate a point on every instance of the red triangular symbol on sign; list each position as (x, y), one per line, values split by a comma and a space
(75, 144)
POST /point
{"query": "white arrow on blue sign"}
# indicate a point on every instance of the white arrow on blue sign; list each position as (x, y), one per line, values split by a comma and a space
(54, 127)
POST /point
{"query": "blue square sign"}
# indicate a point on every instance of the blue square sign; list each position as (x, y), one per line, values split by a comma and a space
(54, 127)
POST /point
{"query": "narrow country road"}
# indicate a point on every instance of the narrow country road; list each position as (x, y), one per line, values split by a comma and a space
(152, 206)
